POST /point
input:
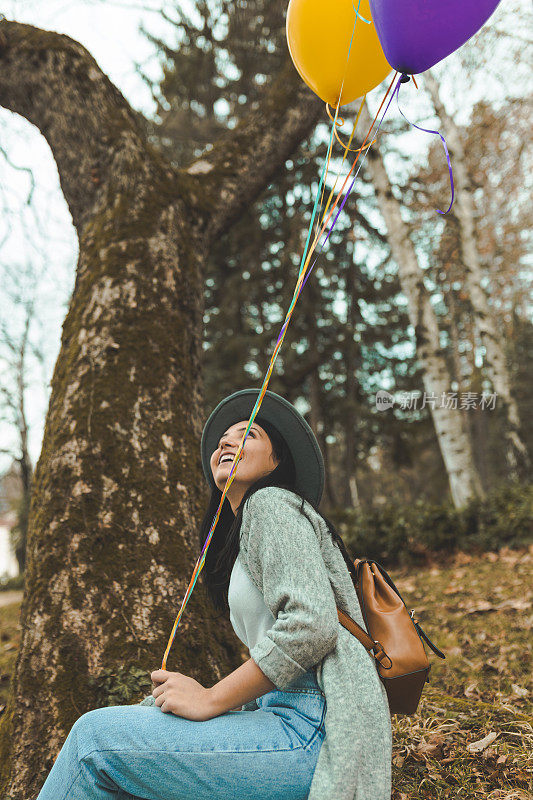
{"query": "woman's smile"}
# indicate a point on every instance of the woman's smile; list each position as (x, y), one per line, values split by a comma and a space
(256, 459)
(228, 459)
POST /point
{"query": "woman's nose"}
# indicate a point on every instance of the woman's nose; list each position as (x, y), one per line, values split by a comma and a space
(230, 441)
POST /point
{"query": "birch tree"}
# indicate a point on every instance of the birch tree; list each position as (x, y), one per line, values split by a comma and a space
(118, 488)
(464, 211)
(453, 440)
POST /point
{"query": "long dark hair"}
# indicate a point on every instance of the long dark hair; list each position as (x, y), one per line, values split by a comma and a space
(224, 546)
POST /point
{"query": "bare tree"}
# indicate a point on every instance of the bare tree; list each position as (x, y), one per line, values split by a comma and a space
(453, 440)
(118, 489)
(19, 353)
(464, 211)
(350, 491)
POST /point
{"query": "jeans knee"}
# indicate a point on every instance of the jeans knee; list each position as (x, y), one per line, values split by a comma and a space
(87, 720)
(88, 730)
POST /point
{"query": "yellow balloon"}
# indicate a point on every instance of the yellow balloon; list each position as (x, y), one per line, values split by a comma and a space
(319, 34)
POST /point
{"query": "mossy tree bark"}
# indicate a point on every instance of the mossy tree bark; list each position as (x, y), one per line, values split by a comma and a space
(118, 489)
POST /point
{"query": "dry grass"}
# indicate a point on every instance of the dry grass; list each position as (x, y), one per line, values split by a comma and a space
(478, 610)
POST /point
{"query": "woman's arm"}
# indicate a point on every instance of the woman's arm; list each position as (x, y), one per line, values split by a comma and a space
(281, 551)
(184, 696)
(244, 684)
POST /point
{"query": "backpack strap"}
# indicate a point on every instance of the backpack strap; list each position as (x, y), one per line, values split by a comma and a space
(374, 648)
(428, 641)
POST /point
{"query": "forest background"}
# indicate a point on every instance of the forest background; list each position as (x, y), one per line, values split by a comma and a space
(435, 311)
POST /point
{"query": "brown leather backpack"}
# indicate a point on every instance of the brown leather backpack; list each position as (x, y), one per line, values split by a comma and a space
(395, 639)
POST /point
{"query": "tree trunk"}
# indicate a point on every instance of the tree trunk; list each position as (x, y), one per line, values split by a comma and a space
(316, 416)
(350, 493)
(118, 489)
(495, 361)
(453, 441)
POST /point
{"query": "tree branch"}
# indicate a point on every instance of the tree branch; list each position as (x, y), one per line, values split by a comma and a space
(239, 166)
(56, 84)
(53, 81)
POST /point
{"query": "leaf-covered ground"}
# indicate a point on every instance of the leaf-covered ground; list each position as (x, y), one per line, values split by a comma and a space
(472, 736)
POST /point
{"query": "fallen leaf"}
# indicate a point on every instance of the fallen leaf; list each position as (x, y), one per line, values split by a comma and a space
(508, 555)
(519, 691)
(481, 607)
(452, 589)
(514, 605)
(406, 585)
(462, 558)
(481, 744)
(454, 651)
(431, 747)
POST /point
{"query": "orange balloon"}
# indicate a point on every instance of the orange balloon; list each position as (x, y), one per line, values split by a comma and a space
(319, 34)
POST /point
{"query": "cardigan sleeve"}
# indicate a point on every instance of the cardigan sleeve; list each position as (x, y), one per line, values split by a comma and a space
(280, 549)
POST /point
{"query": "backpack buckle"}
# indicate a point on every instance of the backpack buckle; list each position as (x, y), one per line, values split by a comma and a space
(380, 655)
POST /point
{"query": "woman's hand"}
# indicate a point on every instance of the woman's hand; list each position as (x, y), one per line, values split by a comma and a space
(182, 696)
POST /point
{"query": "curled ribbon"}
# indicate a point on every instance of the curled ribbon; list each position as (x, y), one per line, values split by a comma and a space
(404, 79)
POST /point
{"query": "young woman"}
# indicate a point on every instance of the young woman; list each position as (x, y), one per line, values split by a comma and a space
(306, 716)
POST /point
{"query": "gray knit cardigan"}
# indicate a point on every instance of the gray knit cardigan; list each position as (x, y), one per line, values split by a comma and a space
(303, 577)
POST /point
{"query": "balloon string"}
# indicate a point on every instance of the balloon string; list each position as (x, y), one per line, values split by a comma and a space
(346, 150)
(356, 174)
(201, 558)
(360, 16)
(302, 283)
(357, 15)
(299, 286)
(340, 123)
(428, 130)
(353, 167)
(323, 184)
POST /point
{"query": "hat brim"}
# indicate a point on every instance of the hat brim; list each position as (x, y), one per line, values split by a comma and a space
(286, 419)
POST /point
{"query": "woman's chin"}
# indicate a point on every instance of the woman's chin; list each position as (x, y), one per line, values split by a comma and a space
(222, 477)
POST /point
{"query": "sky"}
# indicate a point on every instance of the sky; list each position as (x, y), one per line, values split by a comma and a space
(39, 233)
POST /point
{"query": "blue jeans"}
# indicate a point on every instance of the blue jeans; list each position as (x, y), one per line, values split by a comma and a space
(125, 752)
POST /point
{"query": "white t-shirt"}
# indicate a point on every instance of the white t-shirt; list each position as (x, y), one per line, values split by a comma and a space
(249, 616)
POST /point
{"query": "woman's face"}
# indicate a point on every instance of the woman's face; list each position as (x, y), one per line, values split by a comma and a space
(257, 458)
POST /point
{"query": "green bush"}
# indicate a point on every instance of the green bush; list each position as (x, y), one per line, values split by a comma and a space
(12, 583)
(504, 517)
(405, 534)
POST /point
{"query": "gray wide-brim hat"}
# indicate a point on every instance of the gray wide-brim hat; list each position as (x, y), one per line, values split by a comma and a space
(299, 437)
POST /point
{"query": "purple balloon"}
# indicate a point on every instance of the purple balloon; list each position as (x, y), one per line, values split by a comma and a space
(416, 34)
